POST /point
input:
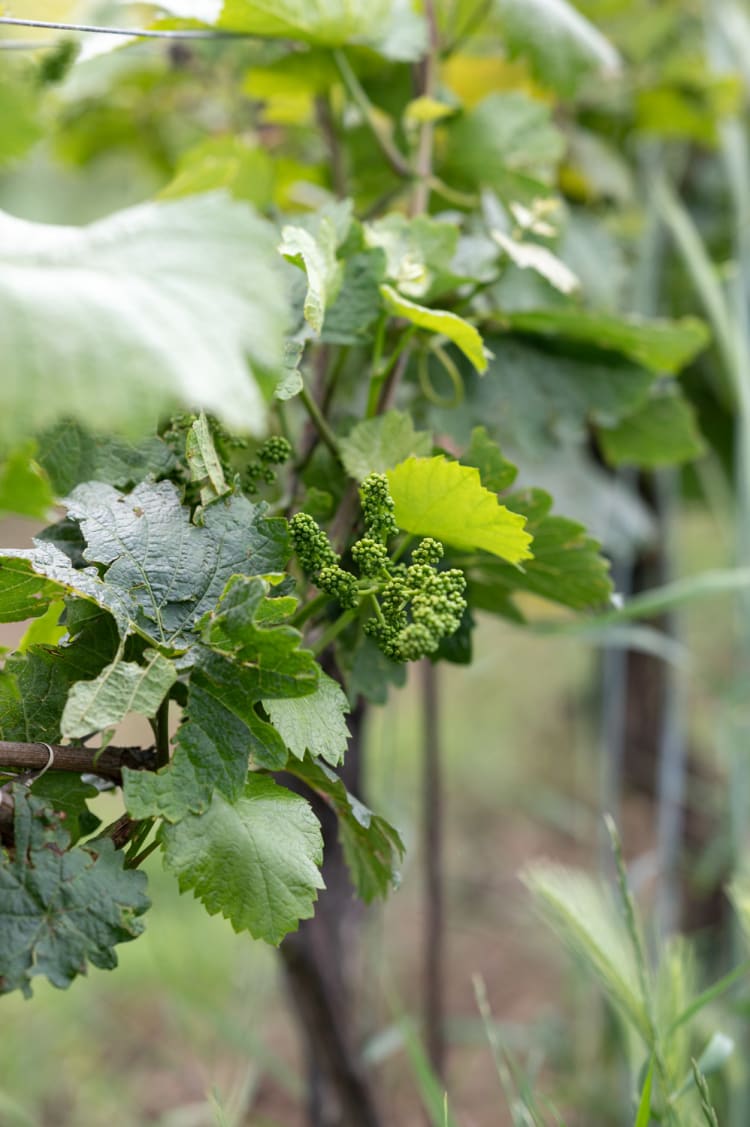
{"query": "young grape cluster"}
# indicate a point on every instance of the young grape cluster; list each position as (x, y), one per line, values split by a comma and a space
(414, 606)
(274, 452)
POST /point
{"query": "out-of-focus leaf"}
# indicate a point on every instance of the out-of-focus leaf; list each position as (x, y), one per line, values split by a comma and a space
(664, 431)
(563, 47)
(183, 294)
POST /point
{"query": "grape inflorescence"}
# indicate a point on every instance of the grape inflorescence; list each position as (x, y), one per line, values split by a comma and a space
(415, 606)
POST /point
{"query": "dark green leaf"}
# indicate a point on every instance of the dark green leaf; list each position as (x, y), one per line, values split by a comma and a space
(61, 908)
(662, 346)
(663, 432)
(496, 473)
(70, 454)
(372, 847)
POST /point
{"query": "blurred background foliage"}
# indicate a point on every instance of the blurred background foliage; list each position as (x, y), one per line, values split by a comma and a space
(632, 117)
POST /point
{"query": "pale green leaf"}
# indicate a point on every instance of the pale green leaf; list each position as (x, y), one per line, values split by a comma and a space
(563, 47)
(436, 497)
(203, 462)
(379, 444)
(316, 254)
(245, 171)
(540, 259)
(256, 861)
(440, 321)
(24, 487)
(120, 688)
(314, 723)
(46, 630)
(643, 1115)
(183, 294)
(389, 26)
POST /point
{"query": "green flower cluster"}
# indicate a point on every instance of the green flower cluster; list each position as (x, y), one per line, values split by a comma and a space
(274, 452)
(419, 607)
(415, 606)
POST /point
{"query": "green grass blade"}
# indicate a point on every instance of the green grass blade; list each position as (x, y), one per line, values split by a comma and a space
(643, 1118)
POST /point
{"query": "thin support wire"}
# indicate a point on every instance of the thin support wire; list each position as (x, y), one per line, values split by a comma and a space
(138, 33)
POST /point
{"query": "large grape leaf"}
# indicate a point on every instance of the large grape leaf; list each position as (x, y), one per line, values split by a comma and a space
(70, 454)
(182, 294)
(61, 908)
(563, 47)
(372, 847)
(436, 497)
(255, 860)
(567, 568)
(389, 26)
(212, 750)
(314, 723)
(120, 688)
(379, 444)
(162, 571)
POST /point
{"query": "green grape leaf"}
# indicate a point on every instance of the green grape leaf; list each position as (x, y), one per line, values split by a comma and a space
(61, 908)
(358, 305)
(256, 861)
(663, 432)
(267, 660)
(567, 568)
(440, 321)
(563, 47)
(418, 252)
(436, 497)
(547, 392)
(34, 686)
(372, 847)
(23, 593)
(244, 170)
(661, 346)
(70, 455)
(369, 673)
(379, 444)
(68, 795)
(24, 487)
(184, 294)
(316, 254)
(120, 688)
(391, 27)
(496, 473)
(314, 723)
(213, 749)
(163, 572)
(508, 142)
(203, 462)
